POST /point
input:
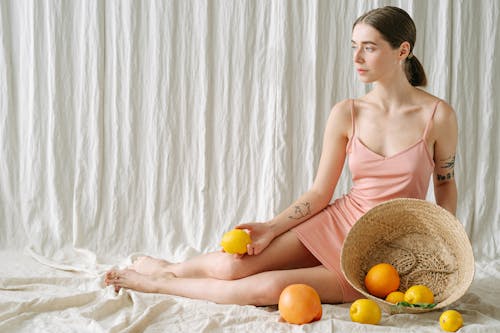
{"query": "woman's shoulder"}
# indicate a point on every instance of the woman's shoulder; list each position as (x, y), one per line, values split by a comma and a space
(444, 111)
(341, 116)
(343, 105)
(444, 118)
(428, 99)
(342, 110)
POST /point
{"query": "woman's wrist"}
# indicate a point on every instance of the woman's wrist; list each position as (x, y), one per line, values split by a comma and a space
(273, 227)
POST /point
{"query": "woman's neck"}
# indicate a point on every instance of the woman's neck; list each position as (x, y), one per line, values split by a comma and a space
(393, 94)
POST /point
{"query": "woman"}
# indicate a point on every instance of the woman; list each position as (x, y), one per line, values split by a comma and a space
(396, 137)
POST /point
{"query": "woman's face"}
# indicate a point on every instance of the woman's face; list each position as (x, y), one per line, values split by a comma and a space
(374, 58)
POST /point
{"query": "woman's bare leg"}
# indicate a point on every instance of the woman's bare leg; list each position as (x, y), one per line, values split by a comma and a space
(284, 252)
(149, 265)
(259, 289)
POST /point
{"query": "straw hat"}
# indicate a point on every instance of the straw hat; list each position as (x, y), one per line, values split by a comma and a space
(424, 242)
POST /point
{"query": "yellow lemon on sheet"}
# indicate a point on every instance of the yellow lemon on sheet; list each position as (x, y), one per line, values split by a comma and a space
(365, 311)
(451, 321)
(419, 294)
(395, 297)
(235, 241)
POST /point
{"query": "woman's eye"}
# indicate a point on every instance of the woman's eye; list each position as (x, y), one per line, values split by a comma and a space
(364, 48)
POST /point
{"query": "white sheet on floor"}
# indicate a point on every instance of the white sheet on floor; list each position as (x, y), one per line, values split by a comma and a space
(42, 296)
(154, 126)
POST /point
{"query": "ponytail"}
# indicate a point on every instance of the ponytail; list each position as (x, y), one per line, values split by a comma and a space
(415, 72)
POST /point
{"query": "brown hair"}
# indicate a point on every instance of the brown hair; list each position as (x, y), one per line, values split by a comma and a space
(396, 27)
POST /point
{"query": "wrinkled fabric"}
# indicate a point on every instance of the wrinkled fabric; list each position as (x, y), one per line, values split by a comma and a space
(155, 126)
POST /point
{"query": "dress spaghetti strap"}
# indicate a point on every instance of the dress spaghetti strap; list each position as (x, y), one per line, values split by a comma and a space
(429, 122)
(349, 143)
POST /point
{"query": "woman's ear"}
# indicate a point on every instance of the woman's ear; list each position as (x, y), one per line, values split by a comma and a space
(404, 50)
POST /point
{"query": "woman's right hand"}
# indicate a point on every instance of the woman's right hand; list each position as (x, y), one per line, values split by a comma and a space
(261, 234)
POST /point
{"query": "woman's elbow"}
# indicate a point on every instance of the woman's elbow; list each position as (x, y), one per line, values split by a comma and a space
(446, 195)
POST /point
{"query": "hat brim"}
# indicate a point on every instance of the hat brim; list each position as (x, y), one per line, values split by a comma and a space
(424, 242)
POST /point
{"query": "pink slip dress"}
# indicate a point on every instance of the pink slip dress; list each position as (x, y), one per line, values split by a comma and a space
(376, 179)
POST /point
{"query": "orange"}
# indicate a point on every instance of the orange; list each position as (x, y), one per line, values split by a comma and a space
(365, 311)
(300, 304)
(395, 297)
(381, 280)
(235, 241)
(451, 321)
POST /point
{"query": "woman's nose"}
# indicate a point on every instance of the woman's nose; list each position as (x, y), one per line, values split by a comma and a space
(357, 56)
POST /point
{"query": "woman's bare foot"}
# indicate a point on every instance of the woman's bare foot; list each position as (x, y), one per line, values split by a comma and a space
(150, 266)
(131, 279)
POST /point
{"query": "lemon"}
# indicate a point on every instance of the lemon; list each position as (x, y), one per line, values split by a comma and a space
(451, 321)
(395, 297)
(365, 311)
(235, 241)
(419, 294)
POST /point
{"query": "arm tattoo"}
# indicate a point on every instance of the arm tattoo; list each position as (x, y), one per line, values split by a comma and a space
(448, 163)
(301, 210)
(449, 173)
(447, 176)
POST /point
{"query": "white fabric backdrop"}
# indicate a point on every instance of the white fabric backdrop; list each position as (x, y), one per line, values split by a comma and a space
(155, 126)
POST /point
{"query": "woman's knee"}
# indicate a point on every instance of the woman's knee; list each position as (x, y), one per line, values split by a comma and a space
(265, 292)
(229, 267)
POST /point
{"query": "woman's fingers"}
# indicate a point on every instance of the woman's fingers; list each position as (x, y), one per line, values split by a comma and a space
(251, 249)
(254, 249)
(247, 226)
